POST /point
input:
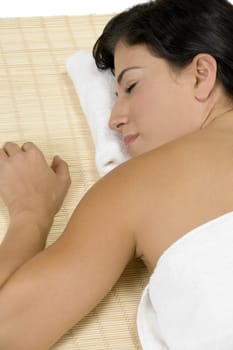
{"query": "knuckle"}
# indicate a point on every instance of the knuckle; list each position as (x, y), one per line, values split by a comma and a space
(16, 159)
(7, 144)
(31, 145)
(32, 150)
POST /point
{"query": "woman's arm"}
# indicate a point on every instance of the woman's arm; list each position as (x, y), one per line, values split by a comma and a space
(33, 192)
(22, 241)
(60, 285)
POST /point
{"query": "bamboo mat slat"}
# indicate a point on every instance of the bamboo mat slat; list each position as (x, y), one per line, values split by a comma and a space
(38, 103)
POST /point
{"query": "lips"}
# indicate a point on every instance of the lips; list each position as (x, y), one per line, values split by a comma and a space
(129, 139)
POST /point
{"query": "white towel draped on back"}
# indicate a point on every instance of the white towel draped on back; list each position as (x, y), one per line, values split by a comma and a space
(188, 303)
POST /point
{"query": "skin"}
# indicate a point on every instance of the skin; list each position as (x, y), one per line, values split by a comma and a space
(183, 161)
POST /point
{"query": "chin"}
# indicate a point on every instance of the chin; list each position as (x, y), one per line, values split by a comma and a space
(146, 150)
(136, 153)
(138, 149)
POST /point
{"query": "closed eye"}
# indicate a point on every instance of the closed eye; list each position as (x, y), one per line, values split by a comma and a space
(130, 88)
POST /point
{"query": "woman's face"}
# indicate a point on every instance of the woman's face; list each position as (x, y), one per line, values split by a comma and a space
(154, 105)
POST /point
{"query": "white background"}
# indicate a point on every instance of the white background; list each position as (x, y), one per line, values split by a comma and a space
(29, 8)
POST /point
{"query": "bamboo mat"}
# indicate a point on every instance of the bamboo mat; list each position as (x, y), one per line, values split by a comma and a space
(38, 103)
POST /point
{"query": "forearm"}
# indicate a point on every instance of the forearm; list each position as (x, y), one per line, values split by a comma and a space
(59, 286)
(23, 240)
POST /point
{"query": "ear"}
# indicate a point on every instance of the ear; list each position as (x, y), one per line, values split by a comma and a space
(205, 71)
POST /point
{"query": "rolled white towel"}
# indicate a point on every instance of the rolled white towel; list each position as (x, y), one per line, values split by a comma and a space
(96, 93)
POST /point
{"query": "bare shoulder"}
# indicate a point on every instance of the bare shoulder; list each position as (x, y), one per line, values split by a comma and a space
(161, 195)
(180, 186)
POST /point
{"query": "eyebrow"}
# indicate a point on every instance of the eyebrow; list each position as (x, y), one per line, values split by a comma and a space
(120, 76)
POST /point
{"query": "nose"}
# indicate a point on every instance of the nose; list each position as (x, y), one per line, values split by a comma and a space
(119, 117)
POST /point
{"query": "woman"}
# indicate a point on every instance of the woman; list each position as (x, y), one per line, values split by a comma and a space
(173, 63)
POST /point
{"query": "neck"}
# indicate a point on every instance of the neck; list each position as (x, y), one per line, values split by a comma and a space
(218, 113)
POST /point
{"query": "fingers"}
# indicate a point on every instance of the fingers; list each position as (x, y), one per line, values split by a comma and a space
(11, 148)
(27, 146)
(59, 166)
(3, 154)
(61, 169)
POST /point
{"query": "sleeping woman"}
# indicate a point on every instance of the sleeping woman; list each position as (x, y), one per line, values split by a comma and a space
(173, 67)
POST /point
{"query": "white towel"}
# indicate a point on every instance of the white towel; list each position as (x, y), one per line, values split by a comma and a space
(96, 93)
(188, 303)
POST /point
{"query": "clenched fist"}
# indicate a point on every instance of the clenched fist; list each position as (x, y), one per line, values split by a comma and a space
(29, 186)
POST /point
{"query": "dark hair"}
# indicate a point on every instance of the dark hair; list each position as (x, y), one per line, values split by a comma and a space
(176, 30)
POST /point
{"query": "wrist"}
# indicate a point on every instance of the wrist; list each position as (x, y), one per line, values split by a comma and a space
(28, 218)
(28, 233)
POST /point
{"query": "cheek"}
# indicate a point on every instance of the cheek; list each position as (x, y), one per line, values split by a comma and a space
(161, 103)
(145, 106)
(153, 107)
(149, 107)
(155, 121)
